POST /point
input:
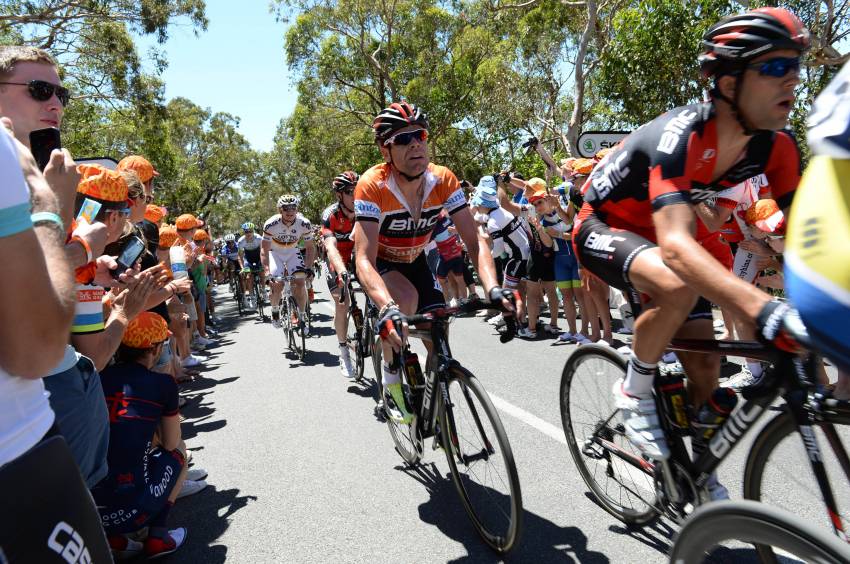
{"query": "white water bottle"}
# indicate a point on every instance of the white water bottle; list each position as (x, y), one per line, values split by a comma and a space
(177, 256)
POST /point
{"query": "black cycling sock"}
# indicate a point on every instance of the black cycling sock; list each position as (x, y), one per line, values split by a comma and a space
(275, 314)
(343, 345)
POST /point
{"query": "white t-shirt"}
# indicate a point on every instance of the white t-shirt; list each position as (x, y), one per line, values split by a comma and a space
(25, 414)
(508, 234)
(740, 198)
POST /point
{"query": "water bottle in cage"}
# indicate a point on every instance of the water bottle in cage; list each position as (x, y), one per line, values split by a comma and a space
(674, 394)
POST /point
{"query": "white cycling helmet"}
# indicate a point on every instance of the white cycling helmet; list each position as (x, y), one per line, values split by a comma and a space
(229, 238)
(288, 200)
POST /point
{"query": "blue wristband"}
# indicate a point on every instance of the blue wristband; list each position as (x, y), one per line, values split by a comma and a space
(42, 217)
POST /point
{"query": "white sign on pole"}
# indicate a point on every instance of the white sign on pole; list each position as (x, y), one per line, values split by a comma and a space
(591, 142)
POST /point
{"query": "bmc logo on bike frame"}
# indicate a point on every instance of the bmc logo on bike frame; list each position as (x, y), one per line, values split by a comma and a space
(67, 543)
(733, 429)
(602, 241)
(673, 130)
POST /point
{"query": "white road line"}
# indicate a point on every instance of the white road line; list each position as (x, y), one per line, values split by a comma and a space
(508, 408)
(544, 427)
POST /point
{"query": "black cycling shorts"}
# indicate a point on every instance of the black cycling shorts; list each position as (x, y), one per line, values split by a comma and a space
(609, 252)
(417, 272)
(541, 267)
(515, 270)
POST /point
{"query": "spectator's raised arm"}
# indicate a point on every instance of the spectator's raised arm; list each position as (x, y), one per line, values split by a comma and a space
(38, 288)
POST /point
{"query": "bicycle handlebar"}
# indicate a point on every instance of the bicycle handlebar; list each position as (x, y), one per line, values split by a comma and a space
(469, 307)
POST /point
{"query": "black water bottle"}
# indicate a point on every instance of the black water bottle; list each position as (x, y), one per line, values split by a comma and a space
(715, 411)
(675, 396)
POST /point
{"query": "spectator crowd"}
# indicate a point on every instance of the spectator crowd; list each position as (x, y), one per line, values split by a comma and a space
(106, 313)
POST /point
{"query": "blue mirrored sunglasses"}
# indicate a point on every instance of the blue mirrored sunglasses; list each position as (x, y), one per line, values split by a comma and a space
(777, 67)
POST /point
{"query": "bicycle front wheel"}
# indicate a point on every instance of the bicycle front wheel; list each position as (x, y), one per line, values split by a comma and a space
(780, 447)
(258, 295)
(298, 340)
(352, 343)
(481, 461)
(614, 470)
(705, 533)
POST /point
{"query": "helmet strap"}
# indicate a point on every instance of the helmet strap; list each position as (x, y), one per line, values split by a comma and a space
(407, 177)
(733, 103)
(341, 202)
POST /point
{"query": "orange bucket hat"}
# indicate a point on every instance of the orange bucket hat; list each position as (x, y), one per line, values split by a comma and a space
(167, 236)
(200, 235)
(145, 331)
(766, 215)
(187, 221)
(155, 213)
(140, 165)
(101, 184)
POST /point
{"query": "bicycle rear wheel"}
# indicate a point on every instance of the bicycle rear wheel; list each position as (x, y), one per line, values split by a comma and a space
(714, 524)
(614, 470)
(481, 461)
(779, 447)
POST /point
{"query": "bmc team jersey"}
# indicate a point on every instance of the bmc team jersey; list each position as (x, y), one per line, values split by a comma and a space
(339, 226)
(285, 238)
(377, 198)
(671, 160)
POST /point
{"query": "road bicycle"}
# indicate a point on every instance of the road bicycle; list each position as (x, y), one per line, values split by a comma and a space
(293, 324)
(450, 405)
(360, 336)
(706, 534)
(637, 490)
(258, 295)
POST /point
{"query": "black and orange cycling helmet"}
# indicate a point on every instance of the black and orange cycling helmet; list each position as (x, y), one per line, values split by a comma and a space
(347, 179)
(395, 117)
(735, 40)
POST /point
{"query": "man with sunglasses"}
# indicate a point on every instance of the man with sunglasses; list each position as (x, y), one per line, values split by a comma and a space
(396, 205)
(31, 96)
(281, 234)
(337, 227)
(636, 228)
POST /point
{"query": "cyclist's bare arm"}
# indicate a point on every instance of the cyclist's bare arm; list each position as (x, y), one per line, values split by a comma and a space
(310, 252)
(713, 216)
(265, 246)
(366, 235)
(675, 225)
(479, 253)
(334, 258)
(241, 257)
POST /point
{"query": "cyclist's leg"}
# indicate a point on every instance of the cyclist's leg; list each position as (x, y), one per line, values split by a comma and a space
(340, 309)
(514, 272)
(276, 268)
(295, 265)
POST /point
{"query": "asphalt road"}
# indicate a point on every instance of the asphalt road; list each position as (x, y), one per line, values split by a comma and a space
(302, 471)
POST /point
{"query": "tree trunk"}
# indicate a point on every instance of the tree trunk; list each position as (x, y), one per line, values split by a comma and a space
(577, 117)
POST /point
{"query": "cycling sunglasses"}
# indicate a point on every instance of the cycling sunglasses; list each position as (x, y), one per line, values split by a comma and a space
(407, 137)
(349, 190)
(289, 207)
(42, 91)
(777, 67)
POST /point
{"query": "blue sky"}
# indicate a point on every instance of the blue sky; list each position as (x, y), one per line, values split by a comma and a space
(237, 66)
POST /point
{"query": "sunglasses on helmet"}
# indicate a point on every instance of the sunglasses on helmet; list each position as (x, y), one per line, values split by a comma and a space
(407, 137)
(42, 91)
(777, 67)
